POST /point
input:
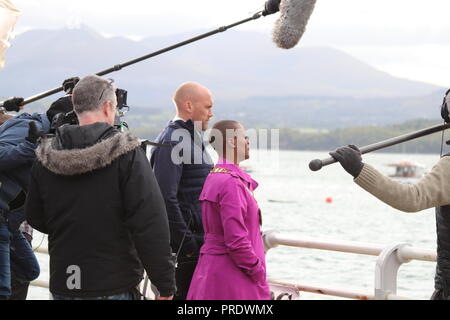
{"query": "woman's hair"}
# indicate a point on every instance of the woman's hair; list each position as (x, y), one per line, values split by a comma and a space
(220, 132)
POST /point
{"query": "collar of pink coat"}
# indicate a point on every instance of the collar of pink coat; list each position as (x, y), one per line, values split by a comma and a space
(227, 164)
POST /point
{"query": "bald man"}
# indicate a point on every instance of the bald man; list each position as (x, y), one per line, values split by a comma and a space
(181, 170)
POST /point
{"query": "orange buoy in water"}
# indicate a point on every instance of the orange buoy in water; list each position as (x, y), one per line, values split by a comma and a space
(329, 200)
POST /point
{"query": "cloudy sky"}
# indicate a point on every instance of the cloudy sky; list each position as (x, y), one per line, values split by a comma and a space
(407, 38)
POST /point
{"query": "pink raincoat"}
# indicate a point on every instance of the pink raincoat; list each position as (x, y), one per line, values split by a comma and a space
(232, 262)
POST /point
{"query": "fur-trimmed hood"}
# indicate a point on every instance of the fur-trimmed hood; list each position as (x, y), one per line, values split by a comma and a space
(81, 149)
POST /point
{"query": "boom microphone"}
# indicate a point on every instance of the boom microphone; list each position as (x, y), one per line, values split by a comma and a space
(271, 7)
(292, 22)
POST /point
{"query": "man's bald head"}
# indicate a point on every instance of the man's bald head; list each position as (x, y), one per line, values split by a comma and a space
(189, 91)
(194, 101)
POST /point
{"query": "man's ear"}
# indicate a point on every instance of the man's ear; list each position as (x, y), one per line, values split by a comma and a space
(105, 107)
(189, 107)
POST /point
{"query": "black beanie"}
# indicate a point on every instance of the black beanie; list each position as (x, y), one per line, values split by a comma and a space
(62, 105)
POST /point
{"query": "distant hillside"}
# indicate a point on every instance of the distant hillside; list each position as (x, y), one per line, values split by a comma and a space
(252, 80)
(235, 65)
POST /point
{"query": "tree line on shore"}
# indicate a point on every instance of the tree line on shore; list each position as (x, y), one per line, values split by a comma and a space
(295, 139)
(313, 139)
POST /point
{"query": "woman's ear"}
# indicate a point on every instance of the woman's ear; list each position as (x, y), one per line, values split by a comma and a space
(232, 142)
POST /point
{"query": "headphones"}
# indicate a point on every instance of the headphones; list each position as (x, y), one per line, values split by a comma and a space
(444, 108)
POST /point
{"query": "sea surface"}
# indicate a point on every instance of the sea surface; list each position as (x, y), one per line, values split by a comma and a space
(293, 201)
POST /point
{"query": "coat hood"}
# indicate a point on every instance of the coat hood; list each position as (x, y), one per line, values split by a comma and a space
(81, 149)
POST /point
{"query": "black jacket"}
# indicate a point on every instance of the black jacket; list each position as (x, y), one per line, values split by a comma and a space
(181, 183)
(93, 192)
(442, 277)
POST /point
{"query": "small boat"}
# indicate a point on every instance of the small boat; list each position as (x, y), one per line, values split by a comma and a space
(407, 171)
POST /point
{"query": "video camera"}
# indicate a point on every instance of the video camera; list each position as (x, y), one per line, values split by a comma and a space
(71, 118)
(122, 109)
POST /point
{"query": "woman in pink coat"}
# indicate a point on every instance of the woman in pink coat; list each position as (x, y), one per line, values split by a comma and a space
(232, 262)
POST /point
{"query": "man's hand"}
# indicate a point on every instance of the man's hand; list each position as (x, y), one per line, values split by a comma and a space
(69, 84)
(164, 298)
(350, 159)
(13, 104)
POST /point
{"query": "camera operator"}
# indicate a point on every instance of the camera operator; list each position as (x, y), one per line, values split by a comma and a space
(18, 264)
(92, 175)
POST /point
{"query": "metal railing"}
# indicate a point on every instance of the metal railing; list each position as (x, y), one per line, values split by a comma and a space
(389, 260)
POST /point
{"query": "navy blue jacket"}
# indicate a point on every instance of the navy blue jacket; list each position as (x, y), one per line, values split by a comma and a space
(181, 182)
(16, 158)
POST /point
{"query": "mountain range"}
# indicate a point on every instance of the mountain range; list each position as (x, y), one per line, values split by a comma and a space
(252, 80)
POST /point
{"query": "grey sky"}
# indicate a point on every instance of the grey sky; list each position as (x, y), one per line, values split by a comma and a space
(407, 38)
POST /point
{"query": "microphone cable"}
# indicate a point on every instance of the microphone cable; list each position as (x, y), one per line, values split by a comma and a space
(442, 142)
(40, 244)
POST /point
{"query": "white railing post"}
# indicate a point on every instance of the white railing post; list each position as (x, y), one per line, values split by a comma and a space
(270, 240)
(386, 268)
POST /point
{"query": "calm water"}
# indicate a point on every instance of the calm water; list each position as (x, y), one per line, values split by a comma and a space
(292, 199)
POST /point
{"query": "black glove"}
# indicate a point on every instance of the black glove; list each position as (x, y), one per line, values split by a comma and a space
(69, 84)
(350, 159)
(33, 133)
(13, 104)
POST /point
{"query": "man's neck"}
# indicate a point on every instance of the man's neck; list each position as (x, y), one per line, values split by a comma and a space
(179, 117)
(87, 119)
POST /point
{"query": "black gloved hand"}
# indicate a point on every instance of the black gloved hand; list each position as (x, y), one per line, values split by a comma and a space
(13, 104)
(69, 84)
(34, 133)
(350, 159)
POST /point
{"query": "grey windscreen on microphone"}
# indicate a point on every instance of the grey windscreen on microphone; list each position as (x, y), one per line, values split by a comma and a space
(290, 26)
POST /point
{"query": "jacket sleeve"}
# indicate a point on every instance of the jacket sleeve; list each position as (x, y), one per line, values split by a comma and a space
(34, 207)
(15, 150)
(168, 175)
(432, 190)
(146, 220)
(232, 211)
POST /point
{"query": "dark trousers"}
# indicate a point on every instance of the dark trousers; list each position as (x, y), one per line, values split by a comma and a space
(16, 257)
(19, 287)
(183, 276)
(439, 295)
(131, 295)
